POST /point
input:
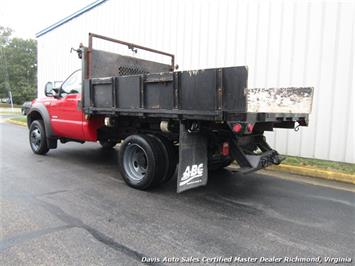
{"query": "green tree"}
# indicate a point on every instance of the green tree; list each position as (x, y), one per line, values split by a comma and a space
(5, 34)
(18, 67)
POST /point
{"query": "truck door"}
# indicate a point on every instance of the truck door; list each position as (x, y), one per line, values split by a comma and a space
(66, 114)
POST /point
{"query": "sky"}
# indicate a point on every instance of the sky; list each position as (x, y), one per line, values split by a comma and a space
(27, 18)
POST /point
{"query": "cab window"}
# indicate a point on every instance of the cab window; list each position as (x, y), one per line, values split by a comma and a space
(72, 84)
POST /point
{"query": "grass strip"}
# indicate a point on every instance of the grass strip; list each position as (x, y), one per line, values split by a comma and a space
(21, 120)
(347, 168)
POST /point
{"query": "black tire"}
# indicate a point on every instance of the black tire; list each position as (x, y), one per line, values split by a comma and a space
(37, 138)
(107, 144)
(170, 154)
(141, 161)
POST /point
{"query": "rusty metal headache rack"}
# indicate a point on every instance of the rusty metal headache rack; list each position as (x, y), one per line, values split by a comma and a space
(131, 46)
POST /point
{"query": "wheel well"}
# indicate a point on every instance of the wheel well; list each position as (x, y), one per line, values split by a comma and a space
(32, 117)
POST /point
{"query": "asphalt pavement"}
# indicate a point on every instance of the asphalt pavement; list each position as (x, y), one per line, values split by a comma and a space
(72, 207)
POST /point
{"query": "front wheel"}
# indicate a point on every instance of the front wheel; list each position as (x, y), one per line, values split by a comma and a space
(37, 137)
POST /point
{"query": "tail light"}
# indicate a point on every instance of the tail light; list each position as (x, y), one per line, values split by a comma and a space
(250, 127)
(225, 149)
(237, 128)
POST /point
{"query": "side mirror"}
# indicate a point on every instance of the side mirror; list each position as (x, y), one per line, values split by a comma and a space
(48, 89)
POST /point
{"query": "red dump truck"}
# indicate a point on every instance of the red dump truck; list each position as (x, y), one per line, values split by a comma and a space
(198, 120)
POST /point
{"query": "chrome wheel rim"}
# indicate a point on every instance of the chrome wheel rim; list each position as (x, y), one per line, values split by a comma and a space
(36, 138)
(135, 162)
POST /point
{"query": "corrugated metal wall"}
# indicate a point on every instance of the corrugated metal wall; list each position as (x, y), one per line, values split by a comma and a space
(284, 43)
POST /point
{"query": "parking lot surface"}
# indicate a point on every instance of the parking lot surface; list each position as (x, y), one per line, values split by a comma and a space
(72, 207)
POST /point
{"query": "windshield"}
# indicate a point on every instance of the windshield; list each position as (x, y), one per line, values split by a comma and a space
(73, 84)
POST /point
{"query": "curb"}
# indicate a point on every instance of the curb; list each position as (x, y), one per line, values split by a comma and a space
(314, 172)
(10, 113)
(17, 122)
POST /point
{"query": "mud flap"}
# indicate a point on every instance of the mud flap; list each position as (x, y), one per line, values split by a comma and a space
(192, 169)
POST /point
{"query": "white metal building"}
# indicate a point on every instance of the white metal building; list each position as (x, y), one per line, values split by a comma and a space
(284, 43)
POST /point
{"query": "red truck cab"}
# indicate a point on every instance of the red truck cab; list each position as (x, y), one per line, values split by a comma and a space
(62, 115)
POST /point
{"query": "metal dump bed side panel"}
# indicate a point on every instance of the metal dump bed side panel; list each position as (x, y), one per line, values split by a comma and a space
(201, 94)
(217, 94)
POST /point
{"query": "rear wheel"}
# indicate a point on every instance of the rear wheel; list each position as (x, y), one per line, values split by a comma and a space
(37, 137)
(141, 161)
(170, 154)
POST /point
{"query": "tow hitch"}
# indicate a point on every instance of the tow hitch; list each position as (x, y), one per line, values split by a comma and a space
(255, 154)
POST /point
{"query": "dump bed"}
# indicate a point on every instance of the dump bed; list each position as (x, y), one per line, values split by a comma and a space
(121, 85)
(211, 94)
